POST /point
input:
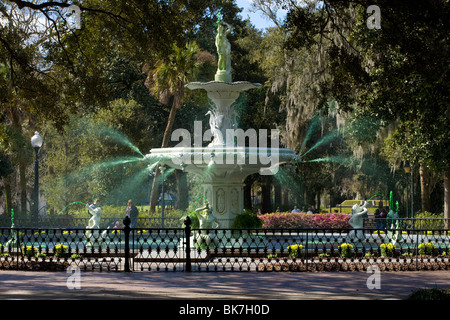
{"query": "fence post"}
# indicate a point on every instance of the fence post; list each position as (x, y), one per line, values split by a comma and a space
(306, 250)
(126, 229)
(187, 242)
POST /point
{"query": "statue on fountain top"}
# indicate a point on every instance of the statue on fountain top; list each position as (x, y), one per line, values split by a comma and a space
(224, 51)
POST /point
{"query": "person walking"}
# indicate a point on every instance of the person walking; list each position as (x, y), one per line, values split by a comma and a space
(132, 212)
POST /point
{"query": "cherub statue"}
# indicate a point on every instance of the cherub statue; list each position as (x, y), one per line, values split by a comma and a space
(207, 220)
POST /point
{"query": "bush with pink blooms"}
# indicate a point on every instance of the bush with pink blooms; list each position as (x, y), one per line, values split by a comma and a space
(303, 220)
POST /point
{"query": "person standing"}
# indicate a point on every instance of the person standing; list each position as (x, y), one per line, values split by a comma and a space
(132, 212)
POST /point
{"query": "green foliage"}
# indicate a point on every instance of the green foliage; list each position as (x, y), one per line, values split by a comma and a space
(60, 250)
(246, 219)
(429, 294)
(195, 223)
(295, 250)
(426, 248)
(346, 250)
(29, 251)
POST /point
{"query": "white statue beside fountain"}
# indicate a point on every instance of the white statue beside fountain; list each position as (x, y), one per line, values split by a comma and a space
(359, 214)
(207, 222)
(95, 210)
(94, 222)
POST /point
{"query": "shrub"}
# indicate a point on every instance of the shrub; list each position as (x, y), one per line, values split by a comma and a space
(430, 294)
(295, 250)
(29, 251)
(60, 250)
(426, 248)
(304, 220)
(346, 250)
(246, 219)
(387, 250)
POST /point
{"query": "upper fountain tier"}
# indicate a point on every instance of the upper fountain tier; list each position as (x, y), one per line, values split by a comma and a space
(222, 115)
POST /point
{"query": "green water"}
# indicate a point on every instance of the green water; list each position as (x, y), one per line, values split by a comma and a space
(344, 160)
(105, 132)
(326, 139)
(314, 124)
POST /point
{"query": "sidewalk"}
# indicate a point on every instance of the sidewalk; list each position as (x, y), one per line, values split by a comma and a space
(217, 285)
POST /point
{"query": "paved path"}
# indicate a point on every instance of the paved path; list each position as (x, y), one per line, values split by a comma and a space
(217, 285)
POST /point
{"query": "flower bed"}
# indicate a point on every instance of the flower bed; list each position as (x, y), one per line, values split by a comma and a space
(362, 265)
(301, 220)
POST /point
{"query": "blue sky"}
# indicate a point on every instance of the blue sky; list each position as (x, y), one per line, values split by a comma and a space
(257, 20)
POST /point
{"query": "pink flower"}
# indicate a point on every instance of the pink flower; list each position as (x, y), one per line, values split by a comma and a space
(302, 220)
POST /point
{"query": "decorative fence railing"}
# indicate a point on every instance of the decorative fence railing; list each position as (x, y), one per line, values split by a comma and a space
(186, 249)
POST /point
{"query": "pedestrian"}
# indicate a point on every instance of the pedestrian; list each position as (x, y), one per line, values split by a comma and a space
(132, 212)
(383, 216)
(295, 210)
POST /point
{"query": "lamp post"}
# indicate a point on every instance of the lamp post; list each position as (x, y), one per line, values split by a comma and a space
(36, 143)
(163, 203)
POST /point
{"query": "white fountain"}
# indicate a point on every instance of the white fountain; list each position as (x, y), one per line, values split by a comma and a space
(226, 161)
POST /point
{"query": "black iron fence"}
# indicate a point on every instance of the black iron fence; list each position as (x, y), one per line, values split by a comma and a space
(186, 249)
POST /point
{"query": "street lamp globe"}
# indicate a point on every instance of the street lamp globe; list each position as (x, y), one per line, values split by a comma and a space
(36, 140)
(407, 167)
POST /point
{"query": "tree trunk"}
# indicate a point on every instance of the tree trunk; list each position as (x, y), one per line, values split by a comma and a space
(182, 190)
(425, 188)
(23, 188)
(266, 199)
(176, 104)
(8, 198)
(447, 197)
(248, 191)
(277, 193)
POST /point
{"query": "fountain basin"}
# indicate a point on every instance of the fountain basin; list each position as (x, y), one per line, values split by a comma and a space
(224, 169)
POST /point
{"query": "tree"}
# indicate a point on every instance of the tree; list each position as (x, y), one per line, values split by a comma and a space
(387, 74)
(166, 81)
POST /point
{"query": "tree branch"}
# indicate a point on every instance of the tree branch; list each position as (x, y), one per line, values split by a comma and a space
(40, 6)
